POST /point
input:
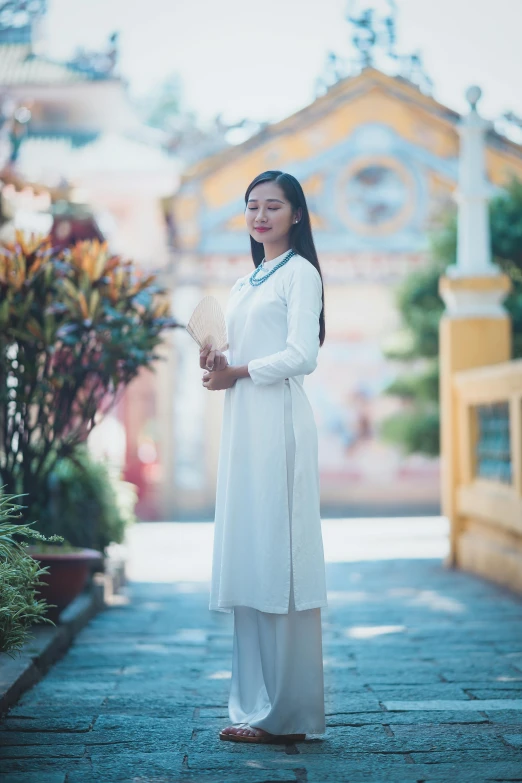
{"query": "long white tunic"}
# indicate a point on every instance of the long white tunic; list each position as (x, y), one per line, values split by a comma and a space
(274, 329)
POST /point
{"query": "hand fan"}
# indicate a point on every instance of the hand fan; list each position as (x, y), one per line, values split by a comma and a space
(207, 324)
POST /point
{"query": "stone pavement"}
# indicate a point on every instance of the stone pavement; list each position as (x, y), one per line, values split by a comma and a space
(423, 675)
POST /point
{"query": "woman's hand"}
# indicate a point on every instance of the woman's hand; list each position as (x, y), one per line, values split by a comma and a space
(212, 360)
(220, 379)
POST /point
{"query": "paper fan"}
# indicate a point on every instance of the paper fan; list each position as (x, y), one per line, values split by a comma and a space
(207, 324)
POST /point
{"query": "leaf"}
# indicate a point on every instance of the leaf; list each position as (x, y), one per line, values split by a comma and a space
(4, 311)
(93, 303)
(99, 266)
(83, 304)
(69, 288)
(33, 327)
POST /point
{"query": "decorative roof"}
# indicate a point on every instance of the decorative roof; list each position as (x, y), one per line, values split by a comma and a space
(20, 66)
(341, 92)
(20, 20)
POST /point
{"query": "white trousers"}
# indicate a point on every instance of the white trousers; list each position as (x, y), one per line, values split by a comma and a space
(277, 660)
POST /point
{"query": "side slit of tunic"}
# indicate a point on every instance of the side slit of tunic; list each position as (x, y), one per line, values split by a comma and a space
(290, 468)
(277, 663)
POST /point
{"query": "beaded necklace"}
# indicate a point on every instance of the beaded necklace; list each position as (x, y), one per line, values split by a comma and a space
(257, 281)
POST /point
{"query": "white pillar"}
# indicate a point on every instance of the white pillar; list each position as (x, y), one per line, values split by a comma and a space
(474, 243)
(483, 296)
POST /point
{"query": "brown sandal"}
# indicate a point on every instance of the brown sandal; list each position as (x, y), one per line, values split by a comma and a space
(261, 738)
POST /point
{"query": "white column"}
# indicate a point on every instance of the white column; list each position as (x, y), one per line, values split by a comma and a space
(479, 286)
(473, 241)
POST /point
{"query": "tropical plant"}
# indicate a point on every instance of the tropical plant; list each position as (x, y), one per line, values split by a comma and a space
(75, 328)
(416, 428)
(20, 576)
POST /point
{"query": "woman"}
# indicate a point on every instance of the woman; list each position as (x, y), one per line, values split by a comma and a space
(268, 562)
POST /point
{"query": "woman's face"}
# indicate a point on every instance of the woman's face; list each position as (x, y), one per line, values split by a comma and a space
(269, 215)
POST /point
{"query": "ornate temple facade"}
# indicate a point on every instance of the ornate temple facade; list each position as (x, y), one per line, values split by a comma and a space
(378, 162)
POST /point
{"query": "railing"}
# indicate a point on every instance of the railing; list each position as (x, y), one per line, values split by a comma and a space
(493, 458)
(489, 467)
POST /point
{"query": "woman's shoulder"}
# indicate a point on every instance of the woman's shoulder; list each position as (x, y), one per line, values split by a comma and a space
(301, 267)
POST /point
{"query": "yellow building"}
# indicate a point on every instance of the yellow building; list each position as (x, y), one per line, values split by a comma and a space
(378, 160)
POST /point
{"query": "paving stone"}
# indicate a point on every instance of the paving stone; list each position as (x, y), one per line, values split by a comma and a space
(407, 739)
(133, 727)
(495, 683)
(441, 704)
(474, 772)
(44, 751)
(495, 693)
(43, 765)
(45, 723)
(142, 693)
(248, 764)
(422, 678)
(37, 702)
(11, 739)
(432, 692)
(511, 718)
(366, 702)
(418, 718)
(76, 710)
(133, 763)
(477, 755)
(448, 738)
(64, 690)
(34, 777)
(154, 707)
(513, 739)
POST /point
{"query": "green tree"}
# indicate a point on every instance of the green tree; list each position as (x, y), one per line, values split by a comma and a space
(416, 427)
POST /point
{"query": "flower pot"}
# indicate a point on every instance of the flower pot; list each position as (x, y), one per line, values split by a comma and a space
(67, 575)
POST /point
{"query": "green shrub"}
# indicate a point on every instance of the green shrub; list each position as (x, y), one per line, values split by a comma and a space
(20, 576)
(87, 506)
(417, 430)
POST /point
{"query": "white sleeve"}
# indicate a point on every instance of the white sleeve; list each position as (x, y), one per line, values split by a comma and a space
(304, 303)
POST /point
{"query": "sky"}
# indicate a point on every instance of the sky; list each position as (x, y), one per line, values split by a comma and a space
(260, 60)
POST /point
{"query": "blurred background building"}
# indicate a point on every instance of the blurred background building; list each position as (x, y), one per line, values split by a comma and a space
(77, 160)
(377, 156)
(378, 160)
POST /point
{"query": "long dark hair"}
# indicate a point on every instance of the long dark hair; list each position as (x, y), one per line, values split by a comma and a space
(301, 239)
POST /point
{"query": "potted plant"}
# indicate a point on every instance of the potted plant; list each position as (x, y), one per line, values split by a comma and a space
(89, 508)
(76, 327)
(67, 569)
